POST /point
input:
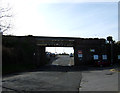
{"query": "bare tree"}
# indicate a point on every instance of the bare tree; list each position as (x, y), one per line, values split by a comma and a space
(5, 19)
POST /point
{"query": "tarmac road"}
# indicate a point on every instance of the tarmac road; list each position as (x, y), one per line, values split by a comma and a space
(100, 79)
(64, 61)
(59, 76)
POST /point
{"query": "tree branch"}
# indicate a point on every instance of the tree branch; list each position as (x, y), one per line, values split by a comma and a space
(5, 9)
(5, 16)
(5, 27)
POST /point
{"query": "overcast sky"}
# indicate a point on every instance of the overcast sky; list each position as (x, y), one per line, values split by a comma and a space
(68, 19)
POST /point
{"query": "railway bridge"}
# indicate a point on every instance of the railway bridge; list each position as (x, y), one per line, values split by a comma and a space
(86, 50)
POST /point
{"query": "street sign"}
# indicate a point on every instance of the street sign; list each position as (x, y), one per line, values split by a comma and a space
(95, 57)
(79, 51)
(80, 54)
(118, 56)
(104, 57)
(92, 50)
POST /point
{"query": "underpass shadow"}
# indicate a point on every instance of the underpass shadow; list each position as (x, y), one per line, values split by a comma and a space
(59, 68)
(52, 59)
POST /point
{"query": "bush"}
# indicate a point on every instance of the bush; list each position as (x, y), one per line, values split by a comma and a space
(17, 53)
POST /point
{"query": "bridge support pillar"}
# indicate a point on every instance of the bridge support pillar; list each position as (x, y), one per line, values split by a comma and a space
(40, 56)
(77, 61)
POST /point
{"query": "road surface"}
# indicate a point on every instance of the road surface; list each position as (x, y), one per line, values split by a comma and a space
(61, 75)
(64, 61)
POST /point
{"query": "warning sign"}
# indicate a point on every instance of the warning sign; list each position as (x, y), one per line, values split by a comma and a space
(79, 51)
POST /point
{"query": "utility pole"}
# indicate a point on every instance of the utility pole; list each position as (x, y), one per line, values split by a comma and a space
(109, 38)
(111, 53)
(0, 31)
